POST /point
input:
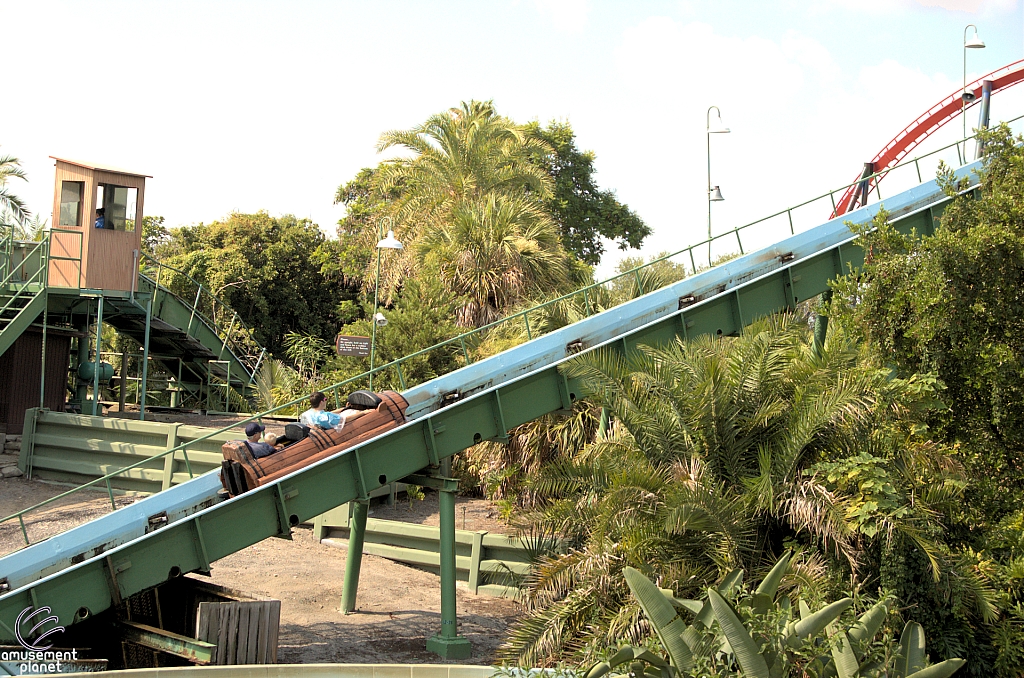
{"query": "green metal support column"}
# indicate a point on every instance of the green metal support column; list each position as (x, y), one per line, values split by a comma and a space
(145, 351)
(448, 644)
(356, 532)
(42, 372)
(96, 362)
(82, 357)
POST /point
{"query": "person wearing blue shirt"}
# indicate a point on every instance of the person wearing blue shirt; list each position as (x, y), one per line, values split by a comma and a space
(317, 414)
(252, 441)
(101, 220)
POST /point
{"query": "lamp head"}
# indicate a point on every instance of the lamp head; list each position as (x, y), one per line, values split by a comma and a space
(390, 242)
(715, 194)
(379, 320)
(716, 126)
(974, 43)
(968, 96)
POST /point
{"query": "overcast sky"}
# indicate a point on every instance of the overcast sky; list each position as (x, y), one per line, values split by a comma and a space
(271, 105)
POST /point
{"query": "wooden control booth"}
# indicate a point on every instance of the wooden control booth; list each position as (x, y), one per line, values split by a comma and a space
(109, 246)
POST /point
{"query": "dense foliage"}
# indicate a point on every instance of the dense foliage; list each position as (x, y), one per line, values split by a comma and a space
(724, 452)
(585, 213)
(950, 304)
(265, 268)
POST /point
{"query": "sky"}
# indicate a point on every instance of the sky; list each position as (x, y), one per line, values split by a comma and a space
(246, 106)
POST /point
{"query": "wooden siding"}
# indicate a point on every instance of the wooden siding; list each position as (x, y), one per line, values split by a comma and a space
(20, 372)
(66, 273)
(108, 257)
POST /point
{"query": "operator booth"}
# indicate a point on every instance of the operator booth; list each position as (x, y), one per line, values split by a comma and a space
(97, 226)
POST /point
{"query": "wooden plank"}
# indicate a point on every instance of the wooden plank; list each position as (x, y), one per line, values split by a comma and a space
(253, 632)
(216, 637)
(228, 619)
(262, 654)
(203, 624)
(275, 623)
(242, 633)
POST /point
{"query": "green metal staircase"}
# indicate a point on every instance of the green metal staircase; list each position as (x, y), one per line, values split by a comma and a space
(22, 291)
(198, 340)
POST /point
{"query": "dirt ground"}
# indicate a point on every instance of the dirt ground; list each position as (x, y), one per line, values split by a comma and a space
(398, 607)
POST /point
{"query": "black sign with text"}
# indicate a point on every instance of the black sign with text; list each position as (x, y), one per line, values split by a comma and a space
(354, 346)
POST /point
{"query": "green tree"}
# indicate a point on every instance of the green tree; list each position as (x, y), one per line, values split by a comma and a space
(12, 208)
(463, 154)
(951, 304)
(494, 253)
(265, 268)
(154, 234)
(715, 462)
(584, 213)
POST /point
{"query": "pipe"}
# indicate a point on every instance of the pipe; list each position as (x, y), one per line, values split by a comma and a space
(983, 116)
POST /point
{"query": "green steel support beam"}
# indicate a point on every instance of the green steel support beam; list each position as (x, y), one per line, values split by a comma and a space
(448, 644)
(42, 371)
(145, 351)
(354, 559)
(195, 651)
(82, 357)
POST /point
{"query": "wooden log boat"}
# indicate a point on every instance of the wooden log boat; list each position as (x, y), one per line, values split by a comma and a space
(241, 472)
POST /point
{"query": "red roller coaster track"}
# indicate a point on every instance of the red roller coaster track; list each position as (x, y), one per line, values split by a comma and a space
(932, 119)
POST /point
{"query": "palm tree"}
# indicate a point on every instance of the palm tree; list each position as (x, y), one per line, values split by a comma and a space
(12, 208)
(495, 252)
(712, 464)
(464, 153)
(461, 159)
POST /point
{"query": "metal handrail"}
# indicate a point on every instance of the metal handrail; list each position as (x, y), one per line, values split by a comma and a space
(24, 284)
(240, 350)
(334, 388)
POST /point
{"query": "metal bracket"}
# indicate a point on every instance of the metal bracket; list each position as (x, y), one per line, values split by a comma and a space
(433, 482)
(112, 571)
(196, 651)
(156, 521)
(282, 513)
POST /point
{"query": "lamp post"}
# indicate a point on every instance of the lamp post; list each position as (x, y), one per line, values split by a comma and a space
(965, 96)
(388, 243)
(714, 192)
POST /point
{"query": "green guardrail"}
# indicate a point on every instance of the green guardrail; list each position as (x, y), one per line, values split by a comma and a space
(491, 564)
(354, 382)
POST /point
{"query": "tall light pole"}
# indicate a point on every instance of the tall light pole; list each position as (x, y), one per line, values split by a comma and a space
(714, 192)
(965, 96)
(388, 243)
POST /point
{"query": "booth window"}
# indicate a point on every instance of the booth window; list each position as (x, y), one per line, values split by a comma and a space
(71, 202)
(118, 206)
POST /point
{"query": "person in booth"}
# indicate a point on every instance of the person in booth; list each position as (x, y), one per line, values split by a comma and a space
(101, 219)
